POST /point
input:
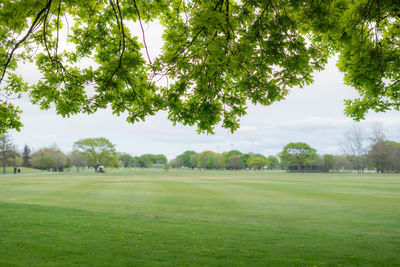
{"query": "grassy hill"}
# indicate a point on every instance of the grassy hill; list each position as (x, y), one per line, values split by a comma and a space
(218, 218)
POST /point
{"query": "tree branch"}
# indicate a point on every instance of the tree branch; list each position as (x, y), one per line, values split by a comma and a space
(144, 37)
(31, 29)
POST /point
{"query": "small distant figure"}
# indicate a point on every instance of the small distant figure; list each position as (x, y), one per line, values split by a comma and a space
(19, 170)
(15, 170)
(100, 169)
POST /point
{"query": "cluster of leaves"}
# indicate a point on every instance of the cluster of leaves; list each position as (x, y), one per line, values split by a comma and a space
(9, 117)
(220, 55)
(228, 53)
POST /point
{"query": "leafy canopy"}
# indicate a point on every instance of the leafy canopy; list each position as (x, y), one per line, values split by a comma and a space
(186, 158)
(39, 159)
(218, 55)
(45, 162)
(97, 152)
(257, 163)
(298, 154)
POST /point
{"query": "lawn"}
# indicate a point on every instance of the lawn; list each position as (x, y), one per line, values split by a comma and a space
(190, 217)
(23, 170)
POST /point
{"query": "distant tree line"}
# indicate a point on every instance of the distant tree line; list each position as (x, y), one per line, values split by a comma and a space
(143, 161)
(232, 160)
(360, 152)
(89, 152)
(373, 151)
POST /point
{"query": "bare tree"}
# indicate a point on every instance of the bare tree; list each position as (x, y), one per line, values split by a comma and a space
(384, 155)
(77, 159)
(379, 154)
(377, 135)
(354, 146)
(6, 148)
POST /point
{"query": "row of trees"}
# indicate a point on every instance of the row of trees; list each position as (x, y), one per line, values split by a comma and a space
(373, 151)
(233, 160)
(301, 157)
(143, 161)
(89, 152)
(361, 152)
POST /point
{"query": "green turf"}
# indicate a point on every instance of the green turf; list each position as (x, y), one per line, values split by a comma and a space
(191, 218)
(23, 170)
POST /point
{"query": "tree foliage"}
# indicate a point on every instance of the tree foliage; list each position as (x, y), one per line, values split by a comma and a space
(273, 162)
(39, 159)
(186, 158)
(218, 55)
(219, 161)
(176, 163)
(77, 159)
(45, 163)
(229, 154)
(97, 152)
(383, 155)
(147, 160)
(26, 156)
(299, 154)
(257, 163)
(127, 160)
(329, 162)
(206, 160)
(235, 163)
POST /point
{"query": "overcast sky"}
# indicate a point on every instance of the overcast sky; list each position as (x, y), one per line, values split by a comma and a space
(313, 115)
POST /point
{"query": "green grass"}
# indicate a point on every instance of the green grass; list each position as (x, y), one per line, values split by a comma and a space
(24, 170)
(217, 218)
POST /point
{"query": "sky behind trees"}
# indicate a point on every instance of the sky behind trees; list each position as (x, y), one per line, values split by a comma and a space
(313, 115)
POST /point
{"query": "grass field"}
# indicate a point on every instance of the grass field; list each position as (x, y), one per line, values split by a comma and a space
(10, 170)
(216, 218)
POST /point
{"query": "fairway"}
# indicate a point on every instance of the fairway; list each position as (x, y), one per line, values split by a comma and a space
(192, 218)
